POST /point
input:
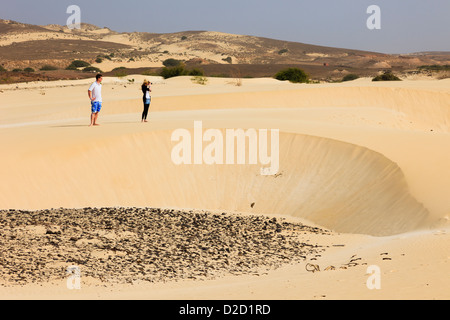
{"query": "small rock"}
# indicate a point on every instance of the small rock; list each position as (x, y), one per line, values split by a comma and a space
(54, 230)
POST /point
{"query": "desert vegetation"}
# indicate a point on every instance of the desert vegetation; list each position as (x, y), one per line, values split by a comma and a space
(179, 70)
(350, 77)
(76, 64)
(171, 63)
(387, 76)
(48, 68)
(294, 75)
(199, 80)
(435, 67)
(120, 72)
(92, 69)
(228, 59)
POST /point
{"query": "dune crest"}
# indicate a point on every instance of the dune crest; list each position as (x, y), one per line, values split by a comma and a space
(337, 185)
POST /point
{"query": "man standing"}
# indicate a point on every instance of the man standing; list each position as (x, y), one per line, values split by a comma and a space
(95, 95)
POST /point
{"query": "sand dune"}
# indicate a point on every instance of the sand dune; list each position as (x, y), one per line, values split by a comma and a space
(337, 185)
(356, 158)
(389, 120)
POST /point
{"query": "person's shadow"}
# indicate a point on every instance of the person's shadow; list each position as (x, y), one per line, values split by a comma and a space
(70, 126)
(86, 125)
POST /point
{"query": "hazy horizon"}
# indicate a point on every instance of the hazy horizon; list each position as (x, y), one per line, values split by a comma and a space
(415, 26)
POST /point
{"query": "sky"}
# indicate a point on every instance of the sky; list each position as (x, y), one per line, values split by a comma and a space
(407, 26)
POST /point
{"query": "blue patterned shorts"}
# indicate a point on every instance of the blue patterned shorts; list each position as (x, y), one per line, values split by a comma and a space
(96, 106)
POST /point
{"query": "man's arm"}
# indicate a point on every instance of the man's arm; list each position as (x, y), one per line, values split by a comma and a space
(90, 94)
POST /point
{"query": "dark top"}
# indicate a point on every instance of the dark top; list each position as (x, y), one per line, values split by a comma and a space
(144, 91)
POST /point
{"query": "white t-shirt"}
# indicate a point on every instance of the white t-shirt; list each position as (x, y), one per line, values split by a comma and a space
(147, 95)
(96, 90)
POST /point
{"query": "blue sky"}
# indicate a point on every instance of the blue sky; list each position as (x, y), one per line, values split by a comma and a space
(406, 25)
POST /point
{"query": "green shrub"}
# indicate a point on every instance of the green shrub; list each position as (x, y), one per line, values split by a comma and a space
(29, 70)
(17, 70)
(2, 69)
(228, 59)
(196, 72)
(120, 72)
(171, 63)
(435, 67)
(48, 68)
(387, 76)
(71, 67)
(80, 64)
(294, 75)
(282, 51)
(99, 60)
(180, 71)
(199, 80)
(92, 69)
(167, 73)
(119, 69)
(350, 77)
(183, 38)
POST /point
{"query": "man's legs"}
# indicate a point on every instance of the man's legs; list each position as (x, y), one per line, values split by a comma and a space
(95, 109)
(94, 117)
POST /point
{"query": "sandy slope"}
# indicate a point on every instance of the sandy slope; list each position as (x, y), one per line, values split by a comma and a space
(358, 158)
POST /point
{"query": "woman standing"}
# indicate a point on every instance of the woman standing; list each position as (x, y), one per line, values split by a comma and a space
(147, 99)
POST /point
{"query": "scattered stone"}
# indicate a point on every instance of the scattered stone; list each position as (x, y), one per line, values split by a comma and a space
(132, 245)
(53, 230)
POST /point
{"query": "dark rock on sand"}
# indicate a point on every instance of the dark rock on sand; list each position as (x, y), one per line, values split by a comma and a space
(128, 245)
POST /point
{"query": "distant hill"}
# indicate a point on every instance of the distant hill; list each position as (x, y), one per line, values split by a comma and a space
(9, 26)
(24, 45)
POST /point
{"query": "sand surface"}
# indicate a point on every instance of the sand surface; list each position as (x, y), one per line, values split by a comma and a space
(367, 161)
